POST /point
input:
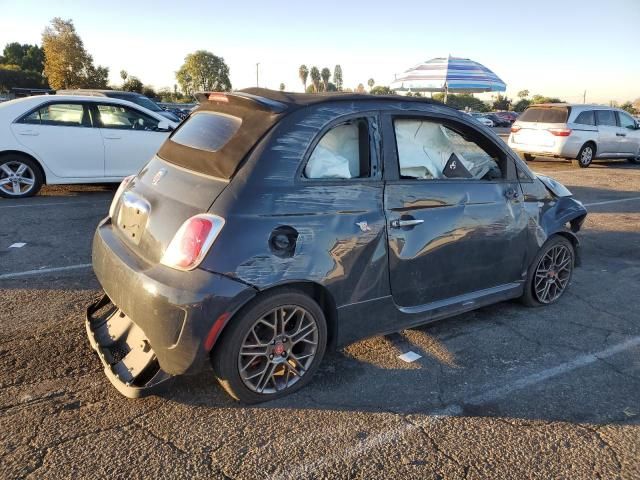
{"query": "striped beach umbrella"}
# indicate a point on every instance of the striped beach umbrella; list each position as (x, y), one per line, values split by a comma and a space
(449, 74)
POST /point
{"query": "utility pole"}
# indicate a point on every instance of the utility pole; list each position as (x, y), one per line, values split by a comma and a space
(257, 78)
(584, 97)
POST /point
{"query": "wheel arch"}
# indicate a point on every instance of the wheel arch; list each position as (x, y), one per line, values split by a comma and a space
(595, 147)
(21, 153)
(573, 238)
(317, 292)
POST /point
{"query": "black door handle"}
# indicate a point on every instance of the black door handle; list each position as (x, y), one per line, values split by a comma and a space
(511, 193)
(621, 134)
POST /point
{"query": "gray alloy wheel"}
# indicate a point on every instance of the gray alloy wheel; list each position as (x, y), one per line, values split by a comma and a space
(586, 155)
(271, 347)
(16, 178)
(19, 176)
(553, 273)
(278, 349)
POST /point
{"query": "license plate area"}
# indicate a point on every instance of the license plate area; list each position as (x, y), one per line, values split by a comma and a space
(133, 216)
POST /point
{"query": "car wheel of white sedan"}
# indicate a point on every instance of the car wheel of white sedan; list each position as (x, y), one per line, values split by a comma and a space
(19, 177)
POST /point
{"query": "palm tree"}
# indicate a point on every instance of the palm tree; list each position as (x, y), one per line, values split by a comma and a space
(326, 75)
(371, 82)
(337, 77)
(303, 73)
(315, 79)
(282, 87)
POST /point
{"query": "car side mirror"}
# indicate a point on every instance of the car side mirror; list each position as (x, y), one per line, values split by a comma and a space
(164, 126)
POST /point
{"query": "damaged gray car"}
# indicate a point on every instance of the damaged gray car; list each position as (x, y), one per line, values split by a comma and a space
(271, 227)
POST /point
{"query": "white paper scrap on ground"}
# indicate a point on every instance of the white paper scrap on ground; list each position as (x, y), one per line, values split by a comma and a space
(409, 357)
(17, 245)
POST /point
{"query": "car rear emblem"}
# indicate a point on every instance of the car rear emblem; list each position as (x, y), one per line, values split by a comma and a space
(158, 176)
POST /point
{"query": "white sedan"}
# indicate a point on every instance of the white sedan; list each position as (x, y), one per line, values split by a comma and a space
(56, 139)
(479, 117)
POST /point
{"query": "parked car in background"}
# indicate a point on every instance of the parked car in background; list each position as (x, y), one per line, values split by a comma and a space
(258, 251)
(56, 139)
(481, 118)
(497, 120)
(509, 116)
(134, 97)
(577, 132)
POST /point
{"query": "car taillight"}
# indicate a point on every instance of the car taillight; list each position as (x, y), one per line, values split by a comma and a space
(515, 129)
(192, 241)
(560, 132)
(123, 185)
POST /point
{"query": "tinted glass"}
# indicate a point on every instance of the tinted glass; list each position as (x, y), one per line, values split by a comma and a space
(58, 114)
(626, 121)
(586, 118)
(545, 115)
(125, 118)
(207, 131)
(606, 117)
(432, 151)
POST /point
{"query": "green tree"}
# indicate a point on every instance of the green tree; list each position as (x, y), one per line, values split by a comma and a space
(463, 101)
(12, 76)
(501, 103)
(337, 77)
(303, 73)
(123, 75)
(628, 107)
(326, 75)
(542, 99)
(132, 84)
(521, 105)
(148, 91)
(67, 64)
(25, 56)
(523, 93)
(371, 82)
(282, 87)
(380, 90)
(203, 71)
(315, 79)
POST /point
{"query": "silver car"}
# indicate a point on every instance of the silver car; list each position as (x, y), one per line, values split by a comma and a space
(577, 132)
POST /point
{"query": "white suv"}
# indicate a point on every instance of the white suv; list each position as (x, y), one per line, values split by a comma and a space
(577, 132)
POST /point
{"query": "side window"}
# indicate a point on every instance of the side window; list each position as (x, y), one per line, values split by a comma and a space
(58, 114)
(626, 121)
(429, 150)
(606, 117)
(342, 152)
(125, 118)
(586, 118)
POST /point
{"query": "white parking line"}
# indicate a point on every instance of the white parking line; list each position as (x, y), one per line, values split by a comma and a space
(393, 435)
(607, 202)
(24, 205)
(8, 276)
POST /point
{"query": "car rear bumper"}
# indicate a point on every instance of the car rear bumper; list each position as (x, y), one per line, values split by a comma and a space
(565, 147)
(153, 322)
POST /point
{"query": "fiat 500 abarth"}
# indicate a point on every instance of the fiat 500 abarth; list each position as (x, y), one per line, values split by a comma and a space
(271, 226)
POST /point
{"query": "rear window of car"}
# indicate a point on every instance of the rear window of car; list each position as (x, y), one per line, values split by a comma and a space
(208, 131)
(586, 118)
(545, 115)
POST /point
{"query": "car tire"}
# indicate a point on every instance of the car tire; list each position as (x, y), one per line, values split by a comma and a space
(528, 157)
(536, 292)
(585, 156)
(240, 375)
(23, 169)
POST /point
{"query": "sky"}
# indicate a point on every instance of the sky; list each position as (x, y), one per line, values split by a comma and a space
(550, 47)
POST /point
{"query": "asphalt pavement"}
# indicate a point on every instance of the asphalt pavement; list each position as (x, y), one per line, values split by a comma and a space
(503, 392)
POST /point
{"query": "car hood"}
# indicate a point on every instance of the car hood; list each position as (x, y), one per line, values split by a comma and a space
(558, 189)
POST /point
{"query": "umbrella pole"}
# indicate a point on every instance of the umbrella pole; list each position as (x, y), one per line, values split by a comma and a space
(446, 93)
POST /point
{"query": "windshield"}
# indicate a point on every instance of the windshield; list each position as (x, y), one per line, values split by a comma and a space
(146, 103)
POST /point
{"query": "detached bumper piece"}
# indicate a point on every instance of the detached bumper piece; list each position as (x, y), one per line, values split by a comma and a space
(129, 361)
